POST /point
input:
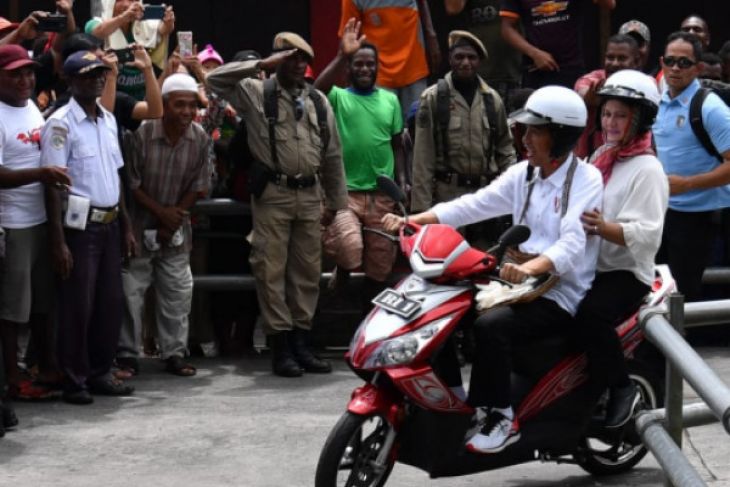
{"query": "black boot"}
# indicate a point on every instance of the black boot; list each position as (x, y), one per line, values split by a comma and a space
(282, 362)
(621, 404)
(304, 356)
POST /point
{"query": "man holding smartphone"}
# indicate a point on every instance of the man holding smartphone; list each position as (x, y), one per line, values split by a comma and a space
(129, 22)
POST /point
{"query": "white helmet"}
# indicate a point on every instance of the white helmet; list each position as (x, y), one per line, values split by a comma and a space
(632, 85)
(553, 105)
(633, 88)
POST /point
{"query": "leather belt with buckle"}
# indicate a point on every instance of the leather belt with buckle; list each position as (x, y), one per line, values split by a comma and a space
(462, 180)
(293, 182)
(103, 215)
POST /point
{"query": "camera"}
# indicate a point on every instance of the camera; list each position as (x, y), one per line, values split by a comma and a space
(154, 12)
(52, 23)
(124, 55)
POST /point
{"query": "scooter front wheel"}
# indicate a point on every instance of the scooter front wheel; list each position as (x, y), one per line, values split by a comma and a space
(357, 453)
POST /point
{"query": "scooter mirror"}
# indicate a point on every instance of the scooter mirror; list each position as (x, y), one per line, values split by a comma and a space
(388, 186)
(514, 235)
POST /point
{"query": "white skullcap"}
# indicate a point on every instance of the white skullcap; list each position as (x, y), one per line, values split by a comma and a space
(179, 82)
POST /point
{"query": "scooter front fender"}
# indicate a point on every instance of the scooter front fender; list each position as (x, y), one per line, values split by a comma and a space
(370, 400)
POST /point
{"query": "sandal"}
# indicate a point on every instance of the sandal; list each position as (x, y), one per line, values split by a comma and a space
(109, 387)
(175, 365)
(126, 368)
(27, 390)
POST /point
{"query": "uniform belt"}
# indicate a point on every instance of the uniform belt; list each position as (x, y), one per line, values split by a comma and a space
(293, 182)
(103, 215)
(462, 180)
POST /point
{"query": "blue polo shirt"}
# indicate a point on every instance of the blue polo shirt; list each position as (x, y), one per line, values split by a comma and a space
(681, 153)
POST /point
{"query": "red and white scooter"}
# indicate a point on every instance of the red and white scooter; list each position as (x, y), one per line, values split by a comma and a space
(406, 412)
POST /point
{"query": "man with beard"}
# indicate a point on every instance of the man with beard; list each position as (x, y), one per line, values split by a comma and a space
(86, 239)
(168, 172)
(370, 125)
(293, 138)
(622, 52)
(463, 140)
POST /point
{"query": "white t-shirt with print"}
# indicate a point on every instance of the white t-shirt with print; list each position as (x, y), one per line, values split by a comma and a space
(20, 138)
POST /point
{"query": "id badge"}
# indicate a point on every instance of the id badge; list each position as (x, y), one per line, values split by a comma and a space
(77, 212)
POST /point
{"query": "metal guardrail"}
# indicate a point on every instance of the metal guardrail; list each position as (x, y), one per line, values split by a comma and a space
(683, 363)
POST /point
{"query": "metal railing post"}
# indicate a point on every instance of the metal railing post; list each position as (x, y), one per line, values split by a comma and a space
(673, 394)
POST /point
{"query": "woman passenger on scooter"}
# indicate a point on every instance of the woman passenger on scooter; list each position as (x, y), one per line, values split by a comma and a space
(630, 227)
(548, 192)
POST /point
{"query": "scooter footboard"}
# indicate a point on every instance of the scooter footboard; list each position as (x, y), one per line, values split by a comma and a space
(434, 442)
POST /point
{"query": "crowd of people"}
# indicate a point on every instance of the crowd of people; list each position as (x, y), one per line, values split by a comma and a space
(108, 138)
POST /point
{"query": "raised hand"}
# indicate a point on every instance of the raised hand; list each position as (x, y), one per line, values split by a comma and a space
(351, 40)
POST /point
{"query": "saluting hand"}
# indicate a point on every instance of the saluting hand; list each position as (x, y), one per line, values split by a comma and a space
(271, 62)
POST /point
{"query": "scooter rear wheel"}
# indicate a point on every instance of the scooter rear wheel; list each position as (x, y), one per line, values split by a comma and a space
(602, 457)
(348, 458)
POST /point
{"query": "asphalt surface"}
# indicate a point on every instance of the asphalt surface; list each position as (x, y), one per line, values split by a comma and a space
(235, 424)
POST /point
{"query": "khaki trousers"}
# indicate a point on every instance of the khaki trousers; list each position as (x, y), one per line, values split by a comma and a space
(286, 256)
(173, 284)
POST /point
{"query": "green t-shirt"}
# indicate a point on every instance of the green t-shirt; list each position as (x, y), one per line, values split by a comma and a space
(366, 124)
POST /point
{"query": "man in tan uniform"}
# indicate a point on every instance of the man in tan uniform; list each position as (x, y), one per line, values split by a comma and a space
(290, 174)
(476, 145)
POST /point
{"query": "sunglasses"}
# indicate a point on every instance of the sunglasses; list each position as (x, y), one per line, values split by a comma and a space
(681, 62)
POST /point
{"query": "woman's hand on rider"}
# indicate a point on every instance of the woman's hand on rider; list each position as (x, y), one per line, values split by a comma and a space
(593, 222)
(392, 223)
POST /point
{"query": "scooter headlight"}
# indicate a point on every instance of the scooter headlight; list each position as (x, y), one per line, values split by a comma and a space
(405, 348)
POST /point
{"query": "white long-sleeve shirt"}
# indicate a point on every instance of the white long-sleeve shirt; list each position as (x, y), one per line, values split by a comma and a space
(562, 240)
(636, 198)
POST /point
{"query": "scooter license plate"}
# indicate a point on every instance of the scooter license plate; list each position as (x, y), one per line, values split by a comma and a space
(396, 303)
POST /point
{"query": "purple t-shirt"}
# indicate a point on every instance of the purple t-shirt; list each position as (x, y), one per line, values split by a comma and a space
(553, 26)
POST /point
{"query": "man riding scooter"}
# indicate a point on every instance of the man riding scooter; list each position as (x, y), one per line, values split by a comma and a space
(548, 192)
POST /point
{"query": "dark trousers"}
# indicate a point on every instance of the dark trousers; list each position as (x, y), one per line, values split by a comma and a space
(495, 332)
(613, 296)
(686, 245)
(90, 304)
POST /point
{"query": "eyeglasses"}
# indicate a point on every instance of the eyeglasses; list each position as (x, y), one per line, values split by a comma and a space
(681, 62)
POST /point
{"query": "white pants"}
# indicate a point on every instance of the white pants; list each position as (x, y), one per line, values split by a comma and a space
(173, 284)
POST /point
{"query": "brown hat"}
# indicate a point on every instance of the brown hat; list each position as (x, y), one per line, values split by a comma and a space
(455, 36)
(290, 40)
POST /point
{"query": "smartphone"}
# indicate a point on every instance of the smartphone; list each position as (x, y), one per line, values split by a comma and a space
(52, 23)
(185, 41)
(154, 12)
(124, 55)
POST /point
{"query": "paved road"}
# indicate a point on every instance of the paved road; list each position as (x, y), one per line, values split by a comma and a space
(237, 425)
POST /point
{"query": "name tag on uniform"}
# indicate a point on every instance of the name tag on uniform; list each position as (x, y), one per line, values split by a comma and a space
(77, 212)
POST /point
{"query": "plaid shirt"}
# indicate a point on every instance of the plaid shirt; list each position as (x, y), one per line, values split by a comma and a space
(165, 173)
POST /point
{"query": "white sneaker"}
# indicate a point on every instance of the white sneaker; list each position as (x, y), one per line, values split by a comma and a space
(497, 434)
(478, 420)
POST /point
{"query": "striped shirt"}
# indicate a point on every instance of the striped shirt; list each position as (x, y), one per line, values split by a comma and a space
(165, 173)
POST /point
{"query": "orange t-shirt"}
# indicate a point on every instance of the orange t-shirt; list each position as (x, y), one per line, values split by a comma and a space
(394, 27)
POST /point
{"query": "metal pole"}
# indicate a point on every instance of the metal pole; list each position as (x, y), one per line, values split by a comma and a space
(674, 464)
(707, 313)
(673, 394)
(696, 372)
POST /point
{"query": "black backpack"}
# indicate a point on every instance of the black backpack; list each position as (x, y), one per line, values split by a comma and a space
(695, 112)
(239, 151)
